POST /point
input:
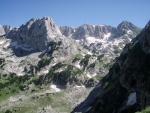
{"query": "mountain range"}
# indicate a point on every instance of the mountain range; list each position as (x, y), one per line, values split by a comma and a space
(47, 61)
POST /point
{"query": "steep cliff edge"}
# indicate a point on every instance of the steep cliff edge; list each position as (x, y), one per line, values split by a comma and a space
(126, 88)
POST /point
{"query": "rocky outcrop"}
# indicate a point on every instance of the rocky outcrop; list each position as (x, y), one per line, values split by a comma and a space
(125, 89)
(67, 31)
(97, 31)
(36, 33)
(7, 29)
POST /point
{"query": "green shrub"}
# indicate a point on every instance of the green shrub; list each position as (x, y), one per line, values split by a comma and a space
(2, 61)
(100, 57)
(85, 61)
(58, 65)
(54, 46)
(105, 85)
(44, 61)
(69, 75)
(147, 110)
(77, 57)
(92, 65)
(138, 31)
(117, 50)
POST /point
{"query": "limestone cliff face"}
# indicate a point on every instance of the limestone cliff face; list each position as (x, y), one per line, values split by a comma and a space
(7, 29)
(125, 89)
(35, 33)
(102, 31)
(97, 31)
(67, 31)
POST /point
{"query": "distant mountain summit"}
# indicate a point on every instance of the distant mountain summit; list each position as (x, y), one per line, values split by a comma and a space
(126, 25)
(128, 28)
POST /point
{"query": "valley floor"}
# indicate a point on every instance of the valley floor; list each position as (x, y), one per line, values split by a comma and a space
(47, 100)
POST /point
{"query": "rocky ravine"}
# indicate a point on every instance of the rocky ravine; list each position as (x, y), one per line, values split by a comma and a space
(125, 89)
(45, 62)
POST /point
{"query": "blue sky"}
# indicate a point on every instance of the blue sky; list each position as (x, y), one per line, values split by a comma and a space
(76, 12)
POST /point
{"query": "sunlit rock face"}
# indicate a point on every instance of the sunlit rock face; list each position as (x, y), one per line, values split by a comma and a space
(36, 33)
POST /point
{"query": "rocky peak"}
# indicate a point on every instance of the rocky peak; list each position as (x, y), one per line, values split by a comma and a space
(126, 27)
(36, 33)
(52, 28)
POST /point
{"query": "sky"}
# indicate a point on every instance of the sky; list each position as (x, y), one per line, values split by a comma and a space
(75, 13)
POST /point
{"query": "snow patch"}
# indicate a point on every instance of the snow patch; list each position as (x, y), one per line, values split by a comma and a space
(93, 75)
(53, 64)
(116, 41)
(77, 41)
(89, 53)
(1, 42)
(79, 86)
(60, 70)
(129, 32)
(88, 75)
(106, 36)
(92, 40)
(69, 35)
(132, 99)
(45, 72)
(7, 45)
(78, 65)
(55, 88)
(93, 25)
(20, 74)
(83, 54)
